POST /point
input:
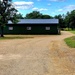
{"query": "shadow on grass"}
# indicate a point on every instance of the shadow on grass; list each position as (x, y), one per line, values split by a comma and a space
(14, 37)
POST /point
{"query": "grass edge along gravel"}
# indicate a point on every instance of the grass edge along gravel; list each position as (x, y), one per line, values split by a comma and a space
(14, 37)
(73, 31)
(70, 41)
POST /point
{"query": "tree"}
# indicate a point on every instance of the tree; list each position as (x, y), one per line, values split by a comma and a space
(46, 17)
(33, 15)
(7, 12)
(66, 20)
(70, 19)
(61, 20)
(19, 16)
(37, 15)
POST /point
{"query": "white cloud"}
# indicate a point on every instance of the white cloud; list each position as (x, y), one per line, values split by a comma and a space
(49, 4)
(70, 7)
(23, 5)
(67, 8)
(60, 10)
(41, 9)
(35, 8)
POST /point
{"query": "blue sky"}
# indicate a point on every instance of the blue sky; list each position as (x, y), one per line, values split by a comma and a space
(50, 7)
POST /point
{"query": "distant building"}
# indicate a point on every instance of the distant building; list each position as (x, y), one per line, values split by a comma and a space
(33, 26)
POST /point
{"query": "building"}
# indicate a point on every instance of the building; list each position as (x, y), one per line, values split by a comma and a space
(33, 26)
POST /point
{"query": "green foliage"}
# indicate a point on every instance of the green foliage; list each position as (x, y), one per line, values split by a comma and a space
(70, 41)
(33, 15)
(70, 19)
(46, 16)
(19, 16)
(61, 20)
(37, 15)
(7, 12)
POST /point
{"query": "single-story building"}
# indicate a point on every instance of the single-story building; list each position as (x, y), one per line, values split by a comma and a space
(33, 26)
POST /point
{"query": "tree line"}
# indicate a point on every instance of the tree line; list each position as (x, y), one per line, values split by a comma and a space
(65, 21)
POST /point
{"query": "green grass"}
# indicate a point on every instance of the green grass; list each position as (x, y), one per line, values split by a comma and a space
(66, 29)
(70, 41)
(15, 37)
(73, 31)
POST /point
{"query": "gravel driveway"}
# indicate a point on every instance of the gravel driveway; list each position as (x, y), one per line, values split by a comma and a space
(41, 55)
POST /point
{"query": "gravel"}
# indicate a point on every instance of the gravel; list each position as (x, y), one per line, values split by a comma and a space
(41, 55)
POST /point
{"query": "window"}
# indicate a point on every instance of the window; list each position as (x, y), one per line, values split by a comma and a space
(47, 28)
(28, 28)
(10, 28)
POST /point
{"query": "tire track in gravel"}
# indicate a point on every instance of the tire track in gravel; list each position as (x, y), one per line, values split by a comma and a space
(47, 55)
(62, 58)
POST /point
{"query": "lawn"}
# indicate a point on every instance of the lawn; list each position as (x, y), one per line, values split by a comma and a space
(71, 40)
(15, 37)
(73, 32)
